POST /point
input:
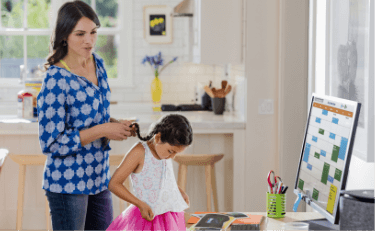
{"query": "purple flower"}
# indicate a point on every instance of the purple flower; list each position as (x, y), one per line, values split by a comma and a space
(157, 61)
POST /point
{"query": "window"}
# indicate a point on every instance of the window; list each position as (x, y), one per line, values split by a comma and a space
(25, 30)
(317, 47)
(320, 47)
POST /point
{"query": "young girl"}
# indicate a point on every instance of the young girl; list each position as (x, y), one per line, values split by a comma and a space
(158, 203)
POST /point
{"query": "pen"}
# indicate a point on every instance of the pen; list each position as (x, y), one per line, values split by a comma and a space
(284, 190)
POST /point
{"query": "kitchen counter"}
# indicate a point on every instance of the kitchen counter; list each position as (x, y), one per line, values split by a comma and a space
(212, 134)
(200, 120)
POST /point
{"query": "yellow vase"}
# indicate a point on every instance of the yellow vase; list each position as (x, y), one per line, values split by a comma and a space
(156, 93)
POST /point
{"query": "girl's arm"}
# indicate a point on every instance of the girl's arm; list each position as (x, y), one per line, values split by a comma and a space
(181, 191)
(184, 195)
(128, 165)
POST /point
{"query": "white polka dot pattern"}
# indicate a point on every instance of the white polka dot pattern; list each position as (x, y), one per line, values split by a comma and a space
(156, 185)
(68, 104)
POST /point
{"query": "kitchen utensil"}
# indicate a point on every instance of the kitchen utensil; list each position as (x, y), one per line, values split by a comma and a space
(214, 92)
(209, 91)
(227, 90)
(224, 84)
(220, 93)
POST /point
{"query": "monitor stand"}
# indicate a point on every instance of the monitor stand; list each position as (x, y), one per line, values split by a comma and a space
(321, 224)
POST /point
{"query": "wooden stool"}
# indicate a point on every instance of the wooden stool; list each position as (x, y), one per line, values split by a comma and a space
(207, 160)
(22, 161)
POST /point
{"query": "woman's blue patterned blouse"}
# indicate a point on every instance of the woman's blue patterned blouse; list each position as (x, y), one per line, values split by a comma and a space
(68, 104)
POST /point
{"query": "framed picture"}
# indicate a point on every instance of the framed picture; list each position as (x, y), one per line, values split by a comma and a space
(158, 24)
(350, 64)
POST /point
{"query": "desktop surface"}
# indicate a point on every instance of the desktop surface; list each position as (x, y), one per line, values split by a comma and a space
(321, 224)
(276, 223)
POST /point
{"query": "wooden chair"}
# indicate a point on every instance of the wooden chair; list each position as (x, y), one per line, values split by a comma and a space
(23, 161)
(207, 160)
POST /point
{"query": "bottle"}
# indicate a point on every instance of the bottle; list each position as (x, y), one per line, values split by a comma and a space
(27, 99)
(34, 86)
(25, 104)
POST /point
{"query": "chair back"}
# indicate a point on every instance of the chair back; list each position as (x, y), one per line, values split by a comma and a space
(3, 156)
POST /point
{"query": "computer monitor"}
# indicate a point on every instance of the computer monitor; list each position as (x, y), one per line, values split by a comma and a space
(326, 153)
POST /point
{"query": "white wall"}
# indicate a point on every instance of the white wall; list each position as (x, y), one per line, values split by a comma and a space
(261, 67)
(361, 174)
(276, 65)
(293, 82)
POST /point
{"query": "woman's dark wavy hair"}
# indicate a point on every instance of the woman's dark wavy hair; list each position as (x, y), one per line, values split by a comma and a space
(174, 129)
(68, 16)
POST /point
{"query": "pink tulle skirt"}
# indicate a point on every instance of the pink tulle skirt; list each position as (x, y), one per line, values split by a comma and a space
(131, 219)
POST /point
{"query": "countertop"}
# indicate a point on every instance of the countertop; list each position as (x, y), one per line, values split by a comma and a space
(200, 120)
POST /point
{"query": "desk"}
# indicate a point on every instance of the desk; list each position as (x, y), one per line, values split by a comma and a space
(276, 223)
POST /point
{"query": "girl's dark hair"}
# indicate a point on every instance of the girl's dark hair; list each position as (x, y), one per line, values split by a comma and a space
(68, 16)
(174, 129)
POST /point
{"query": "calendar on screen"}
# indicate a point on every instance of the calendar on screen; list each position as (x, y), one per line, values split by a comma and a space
(326, 152)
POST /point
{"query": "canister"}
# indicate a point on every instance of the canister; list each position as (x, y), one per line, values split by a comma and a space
(357, 210)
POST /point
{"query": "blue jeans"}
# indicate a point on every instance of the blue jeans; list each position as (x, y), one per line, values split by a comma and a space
(80, 212)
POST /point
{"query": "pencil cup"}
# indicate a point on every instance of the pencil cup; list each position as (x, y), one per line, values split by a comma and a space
(275, 205)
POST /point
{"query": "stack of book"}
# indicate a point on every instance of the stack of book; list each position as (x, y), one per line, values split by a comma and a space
(221, 221)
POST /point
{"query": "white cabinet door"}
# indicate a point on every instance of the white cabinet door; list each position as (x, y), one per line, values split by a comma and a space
(216, 32)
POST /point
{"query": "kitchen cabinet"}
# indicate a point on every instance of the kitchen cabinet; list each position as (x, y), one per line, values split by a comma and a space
(216, 32)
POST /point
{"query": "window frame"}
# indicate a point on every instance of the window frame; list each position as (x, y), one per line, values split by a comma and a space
(363, 134)
(124, 51)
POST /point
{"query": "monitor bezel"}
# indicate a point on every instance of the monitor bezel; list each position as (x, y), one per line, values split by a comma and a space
(333, 218)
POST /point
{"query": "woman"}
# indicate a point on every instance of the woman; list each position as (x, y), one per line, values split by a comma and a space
(74, 124)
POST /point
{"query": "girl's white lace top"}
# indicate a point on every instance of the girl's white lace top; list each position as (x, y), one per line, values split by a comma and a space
(156, 185)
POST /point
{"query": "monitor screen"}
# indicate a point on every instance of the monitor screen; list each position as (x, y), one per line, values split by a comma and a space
(326, 153)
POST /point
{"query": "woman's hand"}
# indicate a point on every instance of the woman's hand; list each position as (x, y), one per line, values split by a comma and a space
(129, 123)
(126, 122)
(146, 211)
(117, 131)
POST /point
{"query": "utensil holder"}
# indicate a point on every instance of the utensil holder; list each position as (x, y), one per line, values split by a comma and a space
(218, 105)
(276, 205)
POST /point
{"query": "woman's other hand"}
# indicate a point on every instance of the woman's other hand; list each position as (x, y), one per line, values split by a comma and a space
(146, 211)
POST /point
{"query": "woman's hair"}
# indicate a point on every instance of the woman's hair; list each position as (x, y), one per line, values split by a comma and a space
(68, 16)
(174, 129)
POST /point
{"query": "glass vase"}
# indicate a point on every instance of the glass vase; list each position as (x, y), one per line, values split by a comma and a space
(156, 93)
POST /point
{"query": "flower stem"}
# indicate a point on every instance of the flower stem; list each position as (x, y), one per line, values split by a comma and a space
(156, 73)
(165, 66)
